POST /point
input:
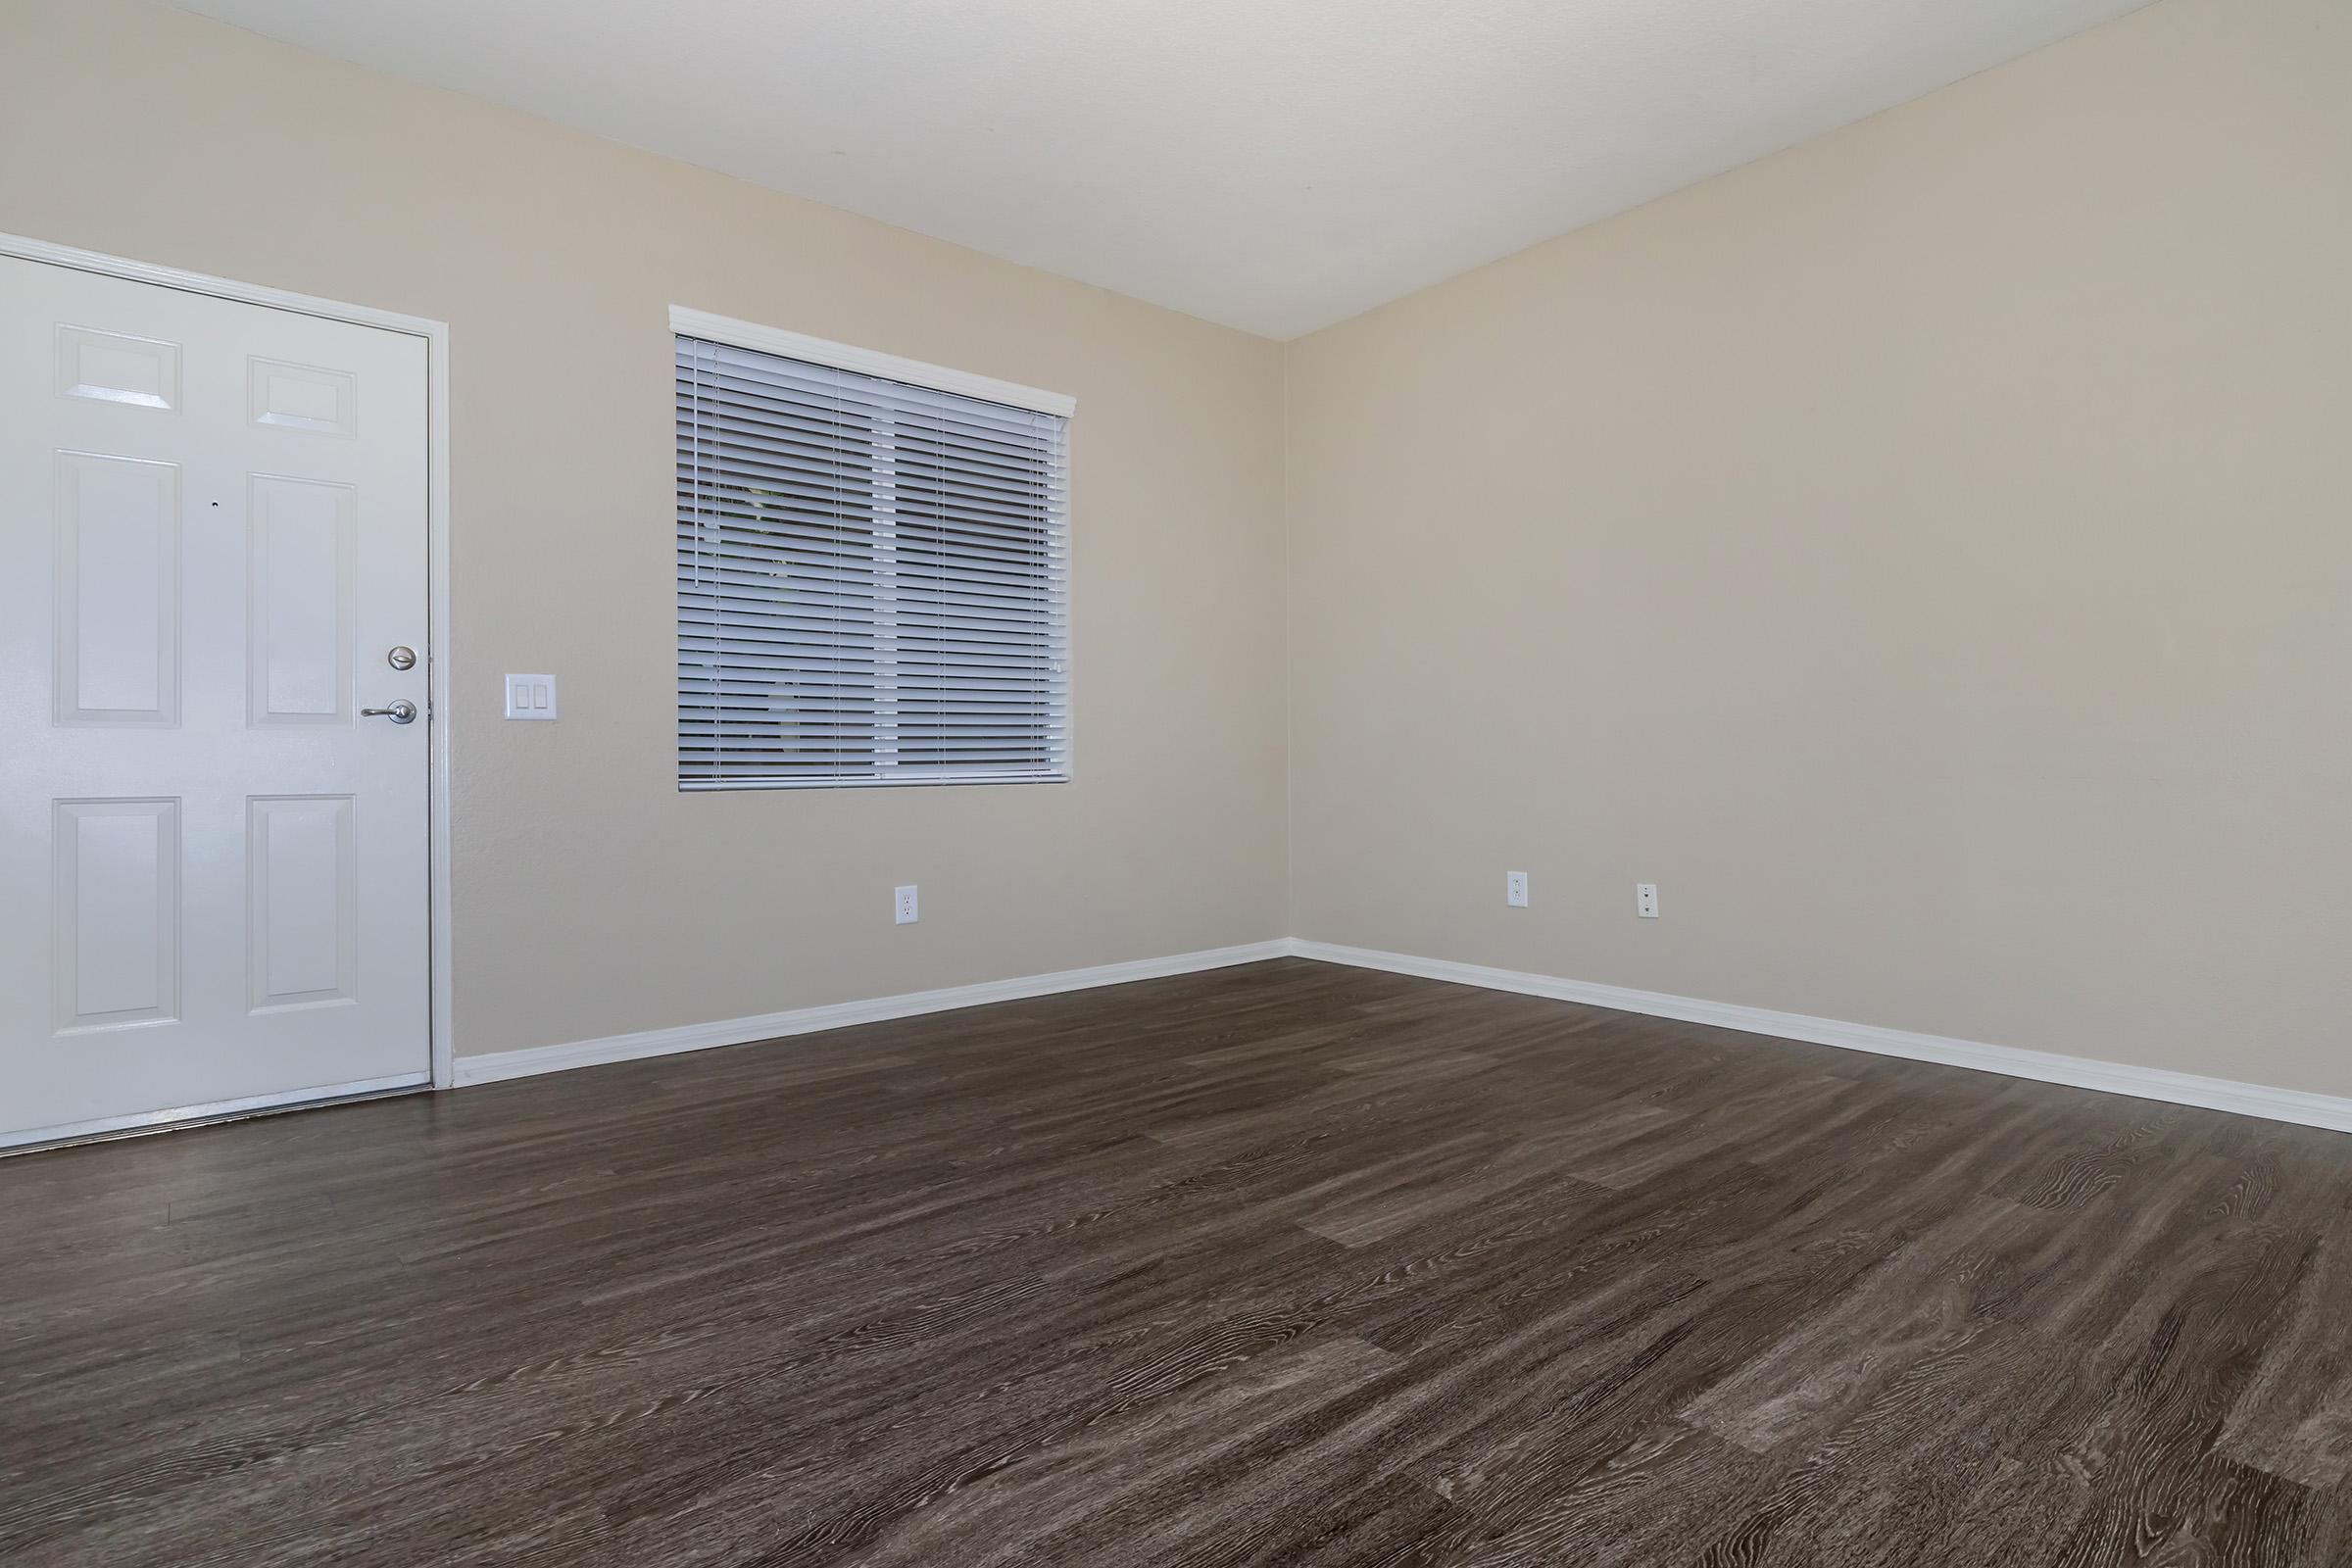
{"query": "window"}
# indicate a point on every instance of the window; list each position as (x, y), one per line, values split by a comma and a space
(873, 568)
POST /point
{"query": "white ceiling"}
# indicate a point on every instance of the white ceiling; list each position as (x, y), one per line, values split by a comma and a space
(1272, 165)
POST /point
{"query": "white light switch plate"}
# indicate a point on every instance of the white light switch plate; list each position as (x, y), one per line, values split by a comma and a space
(530, 696)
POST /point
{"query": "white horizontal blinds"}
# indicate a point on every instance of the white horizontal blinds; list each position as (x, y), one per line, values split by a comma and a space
(979, 562)
(780, 663)
(873, 580)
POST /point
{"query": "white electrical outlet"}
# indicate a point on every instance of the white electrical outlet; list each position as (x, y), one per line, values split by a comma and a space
(1646, 900)
(1514, 888)
(904, 905)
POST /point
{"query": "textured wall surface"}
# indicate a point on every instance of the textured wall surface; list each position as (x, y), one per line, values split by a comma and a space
(591, 897)
(1927, 554)
(1924, 553)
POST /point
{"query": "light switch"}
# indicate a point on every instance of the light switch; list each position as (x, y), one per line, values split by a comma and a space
(530, 696)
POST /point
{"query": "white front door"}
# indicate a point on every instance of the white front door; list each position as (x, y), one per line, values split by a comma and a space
(212, 863)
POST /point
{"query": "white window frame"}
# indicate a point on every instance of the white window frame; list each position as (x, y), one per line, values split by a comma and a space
(686, 322)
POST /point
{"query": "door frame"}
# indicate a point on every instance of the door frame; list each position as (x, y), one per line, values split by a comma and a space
(439, 960)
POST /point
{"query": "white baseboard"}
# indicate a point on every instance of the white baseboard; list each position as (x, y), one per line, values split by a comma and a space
(2079, 1072)
(496, 1065)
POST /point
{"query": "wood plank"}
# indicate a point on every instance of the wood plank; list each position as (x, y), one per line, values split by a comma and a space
(1287, 1264)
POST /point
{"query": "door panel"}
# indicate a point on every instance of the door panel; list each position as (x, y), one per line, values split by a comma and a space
(213, 520)
(114, 918)
(302, 927)
(116, 615)
(299, 600)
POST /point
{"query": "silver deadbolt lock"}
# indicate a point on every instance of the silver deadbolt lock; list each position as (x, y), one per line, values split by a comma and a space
(402, 659)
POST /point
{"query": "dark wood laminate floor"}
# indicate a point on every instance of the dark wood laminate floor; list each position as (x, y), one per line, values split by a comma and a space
(1290, 1264)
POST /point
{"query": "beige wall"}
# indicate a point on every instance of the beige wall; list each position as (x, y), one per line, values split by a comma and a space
(592, 898)
(1926, 554)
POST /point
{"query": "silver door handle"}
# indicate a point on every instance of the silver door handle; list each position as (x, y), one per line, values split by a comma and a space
(402, 712)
